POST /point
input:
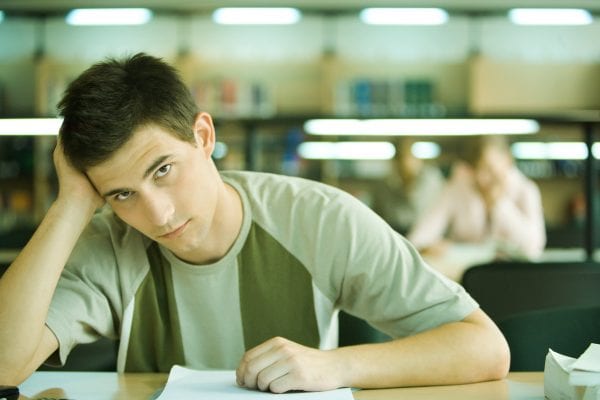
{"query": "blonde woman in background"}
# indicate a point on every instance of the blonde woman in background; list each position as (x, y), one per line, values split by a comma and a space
(487, 201)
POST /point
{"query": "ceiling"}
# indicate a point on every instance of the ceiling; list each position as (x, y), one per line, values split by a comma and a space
(466, 6)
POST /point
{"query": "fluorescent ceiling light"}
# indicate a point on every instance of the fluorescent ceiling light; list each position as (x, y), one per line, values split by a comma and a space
(1, 16)
(109, 16)
(404, 16)
(256, 16)
(549, 16)
(347, 150)
(553, 150)
(423, 127)
(425, 150)
(596, 150)
(29, 126)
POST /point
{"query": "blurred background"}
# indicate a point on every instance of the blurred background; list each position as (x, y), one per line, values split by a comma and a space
(263, 82)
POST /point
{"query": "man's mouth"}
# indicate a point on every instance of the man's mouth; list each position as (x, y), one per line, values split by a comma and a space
(176, 232)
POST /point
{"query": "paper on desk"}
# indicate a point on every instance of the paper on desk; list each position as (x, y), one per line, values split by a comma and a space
(185, 383)
(557, 380)
(556, 377)
(586, 369)
(589, 360)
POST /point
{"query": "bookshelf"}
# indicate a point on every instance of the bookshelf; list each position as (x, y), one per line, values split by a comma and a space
(259, 109)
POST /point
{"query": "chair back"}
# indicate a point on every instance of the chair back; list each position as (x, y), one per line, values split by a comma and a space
(568, 331)
(100, 355)
(503, 289)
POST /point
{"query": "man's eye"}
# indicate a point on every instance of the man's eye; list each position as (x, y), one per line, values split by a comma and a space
(122, 196)
(162, 171)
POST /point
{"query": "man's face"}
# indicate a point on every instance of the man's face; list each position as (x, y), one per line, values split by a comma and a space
(162, 186)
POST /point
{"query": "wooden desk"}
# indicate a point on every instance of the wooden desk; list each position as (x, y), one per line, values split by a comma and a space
(518, 386)
(109, 385)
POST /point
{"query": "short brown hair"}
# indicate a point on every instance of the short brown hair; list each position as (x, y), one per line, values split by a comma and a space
(108, 101)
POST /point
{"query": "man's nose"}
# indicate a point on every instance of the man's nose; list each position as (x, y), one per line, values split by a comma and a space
(159, 209)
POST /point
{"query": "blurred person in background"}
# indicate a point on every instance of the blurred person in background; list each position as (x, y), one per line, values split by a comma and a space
(411, 188)
(487, 200)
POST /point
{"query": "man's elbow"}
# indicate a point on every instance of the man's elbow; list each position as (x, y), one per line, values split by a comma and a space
(490, 364)
(490, 349)
(500, 361)
(10, 377)
(497, 358)
(13, 373)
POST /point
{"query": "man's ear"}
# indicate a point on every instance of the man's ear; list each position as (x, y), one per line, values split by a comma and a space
(204, 132)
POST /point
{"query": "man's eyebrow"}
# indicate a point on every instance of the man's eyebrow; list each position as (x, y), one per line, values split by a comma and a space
(155, 164)
(148, 171)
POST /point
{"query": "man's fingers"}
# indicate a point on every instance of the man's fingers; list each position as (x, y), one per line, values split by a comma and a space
(280, 365)
(252, 369)
(247, 359)
(282, 384)
(255, 361)
(271, 374)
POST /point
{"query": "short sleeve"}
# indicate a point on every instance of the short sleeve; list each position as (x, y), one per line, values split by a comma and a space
(86, 304)
(380, 277)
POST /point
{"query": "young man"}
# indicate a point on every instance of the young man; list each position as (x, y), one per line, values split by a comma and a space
(186, 265)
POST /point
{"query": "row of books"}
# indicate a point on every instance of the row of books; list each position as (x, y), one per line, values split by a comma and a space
(387, 97)
(16, 157)
(234, 98)
(540, 169)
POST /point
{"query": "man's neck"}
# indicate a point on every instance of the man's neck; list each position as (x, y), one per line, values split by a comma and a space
(228, 220)
(224, 229)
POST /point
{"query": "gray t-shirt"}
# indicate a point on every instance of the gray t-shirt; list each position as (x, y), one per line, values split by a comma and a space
(305, 250)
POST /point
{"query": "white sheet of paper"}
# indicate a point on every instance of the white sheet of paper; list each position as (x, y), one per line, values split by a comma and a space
(589, 360)
(185, 383)
(556, 377)
(564, 362)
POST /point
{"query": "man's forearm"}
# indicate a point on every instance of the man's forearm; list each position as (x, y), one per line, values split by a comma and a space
(473, 350)
(27, 287)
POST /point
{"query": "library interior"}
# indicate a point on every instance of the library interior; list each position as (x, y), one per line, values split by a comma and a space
(385, 107)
